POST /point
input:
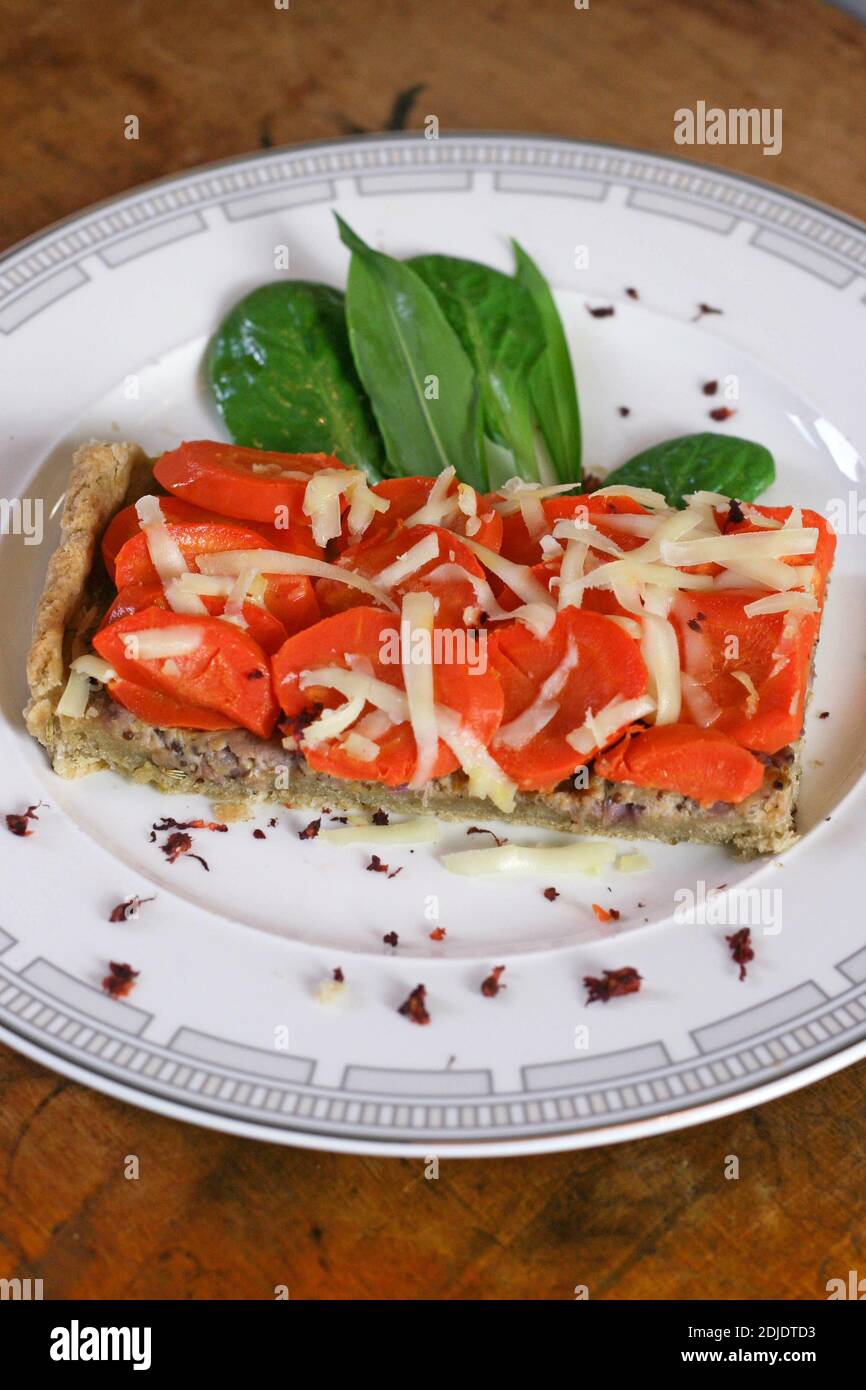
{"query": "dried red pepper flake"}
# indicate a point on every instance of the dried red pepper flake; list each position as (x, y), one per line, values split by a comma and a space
(606, 914)
(169, 823)
(742, 952)
(624, 410)
(825, 714)
(710, 388)
(180, 843)
(391, 938)
(381, 817)
(272, 822)
(722, 412)
(259, 834)
(706, 309)
(438, 934)
(395, 872)
(632, 293)
(603, 311)
(415, 1006)
(128, 909)
(255, 675)
(482, 830)
(17, 823)
(491, 986)
(310, 831)
(551, 894)
(694, 625)
(120, 980)
(615, 982)
(736, 515)
(338, 975)
(376, 866)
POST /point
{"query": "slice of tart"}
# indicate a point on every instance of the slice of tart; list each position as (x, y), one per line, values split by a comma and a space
(267, 627)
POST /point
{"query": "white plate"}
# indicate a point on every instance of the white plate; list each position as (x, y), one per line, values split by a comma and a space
(103, 320)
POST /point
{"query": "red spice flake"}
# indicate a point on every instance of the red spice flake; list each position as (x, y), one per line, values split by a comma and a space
(129, 909)
(825, 714)
(551, 894)
(606, 914)
(259, 834)
(722, 412)
(590, 482)
(740, 944)
(415, 1007)
(380, 818)
(438, 934)
(710, 388)
(180, 843)
(604, 311)
(169, 823)
(624, 410)
(272, 822)
(391, 938)
(491, 986)
(482, 830)
(17, 824)
(706, 309)
(310, 831)
(376, 866)
(121, 979)
(395, 872)
(255, 675)
(694, 625)
(339, 976)
(632, 293)
(736, 515)
(615, 982)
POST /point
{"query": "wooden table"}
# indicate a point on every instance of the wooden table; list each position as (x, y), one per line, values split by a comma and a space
(217, 1217)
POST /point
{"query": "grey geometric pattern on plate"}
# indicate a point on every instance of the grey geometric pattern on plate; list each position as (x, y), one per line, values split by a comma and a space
(76, 1021)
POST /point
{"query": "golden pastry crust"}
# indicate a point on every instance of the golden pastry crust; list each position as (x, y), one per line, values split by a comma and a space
(104, 478)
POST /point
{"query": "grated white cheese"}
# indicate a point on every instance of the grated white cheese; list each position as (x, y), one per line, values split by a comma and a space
(417, 616)
(411, 560)
(422, 830)
(598, 729)
(166, 556)
(587, 857)
(520, 731)
(258, 562)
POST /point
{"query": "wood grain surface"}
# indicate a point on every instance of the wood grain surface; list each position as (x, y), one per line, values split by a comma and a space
(213, 1217)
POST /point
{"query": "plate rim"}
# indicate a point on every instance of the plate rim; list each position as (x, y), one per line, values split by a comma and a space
(370, 137)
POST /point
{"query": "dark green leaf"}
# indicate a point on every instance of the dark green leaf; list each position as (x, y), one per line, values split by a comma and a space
(700, 462)
(497, 323)
(420, 381)
(552, 384)
(283, 377)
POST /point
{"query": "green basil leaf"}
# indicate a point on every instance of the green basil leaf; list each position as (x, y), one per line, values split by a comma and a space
(551, 381)
(700, 462)
(497, 323)
(420, 382)
(282, 374)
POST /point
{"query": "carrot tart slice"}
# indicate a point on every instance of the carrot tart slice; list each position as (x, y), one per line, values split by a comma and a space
(268, 627)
